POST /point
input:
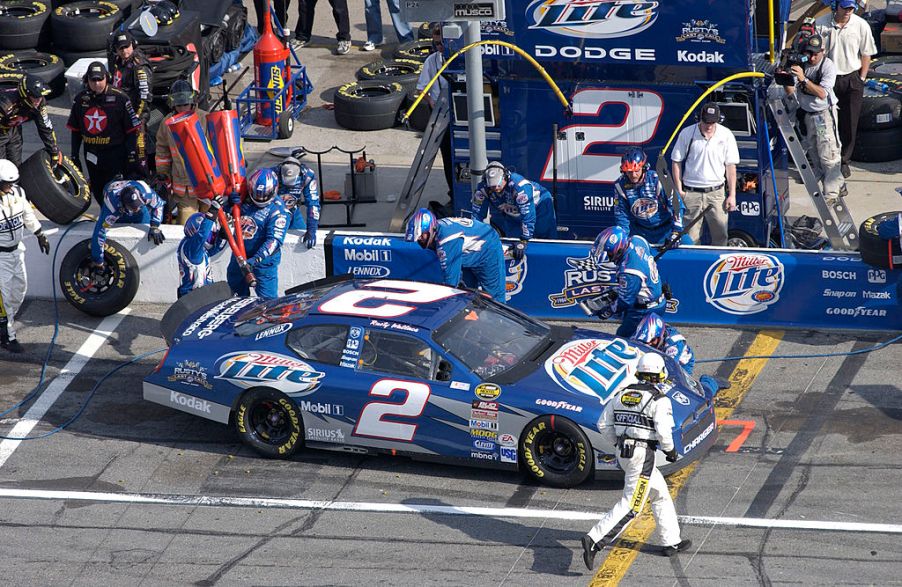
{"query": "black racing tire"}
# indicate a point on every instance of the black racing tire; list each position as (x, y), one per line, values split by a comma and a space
(61, 194)
(403, 71)
(233, 25)
(286, 124)
(368, 105)
(419, 118)
(214, 43)
(424, 31)
(113, 292)
(740, 239)
(887, 66)
(21, 23)
(48, 67)
(269, 422)
(556, 452)
(84, 26)
(874, 249)
(70, 57)
(877, 146)
(879, 111)
(415, 50)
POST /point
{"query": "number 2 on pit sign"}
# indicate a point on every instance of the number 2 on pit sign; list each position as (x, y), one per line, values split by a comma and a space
(371, 421)
(639, 125)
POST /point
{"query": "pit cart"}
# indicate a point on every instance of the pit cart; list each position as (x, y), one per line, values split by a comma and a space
(283, 108)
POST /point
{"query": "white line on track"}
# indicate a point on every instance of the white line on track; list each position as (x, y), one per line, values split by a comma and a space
(56, 388)
(420, 509)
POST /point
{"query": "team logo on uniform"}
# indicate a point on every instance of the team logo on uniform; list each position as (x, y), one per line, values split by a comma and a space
(644, 208)
(592, 19)
(516, 275)
(288, 374)
(248, 226)
(593, 367)
(744, 283)
(95, 120)
(584, 279)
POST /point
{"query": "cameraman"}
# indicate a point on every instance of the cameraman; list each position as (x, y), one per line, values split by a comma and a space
(817, 115)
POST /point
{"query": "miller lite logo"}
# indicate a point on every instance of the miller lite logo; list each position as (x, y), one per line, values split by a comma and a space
(248, 226)
(644, 208)
(592, 19)
(287, 374)
(593, 367)
(744, 283)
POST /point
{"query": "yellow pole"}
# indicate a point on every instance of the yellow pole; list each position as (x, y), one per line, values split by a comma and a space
(770, 27)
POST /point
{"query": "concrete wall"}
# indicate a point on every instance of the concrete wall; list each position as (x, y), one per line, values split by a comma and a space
(159, 269)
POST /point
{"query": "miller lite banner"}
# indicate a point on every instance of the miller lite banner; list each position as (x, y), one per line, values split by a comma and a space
(629, 32)
(749, 287)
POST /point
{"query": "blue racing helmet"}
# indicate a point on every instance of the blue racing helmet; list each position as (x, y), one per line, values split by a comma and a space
(262, 186)
(131, 199)
(610, 245)
(651, 331)
(633, 159)
(421, 228)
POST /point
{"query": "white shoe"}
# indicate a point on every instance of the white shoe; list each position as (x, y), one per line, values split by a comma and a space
(343, 47)
(368, 46)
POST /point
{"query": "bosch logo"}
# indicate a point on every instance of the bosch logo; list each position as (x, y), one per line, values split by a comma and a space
(592, 19)
(745, 283)
(370, 270)
(367, 241)
(830, 274)
(365, 256)
(684, 56)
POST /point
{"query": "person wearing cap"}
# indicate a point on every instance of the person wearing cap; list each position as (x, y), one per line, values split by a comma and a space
(102, 117)
(131, 73)
(849, 43)
(703, 156)
(817, 115)
(298, 186)
(25, 101)
(182, 98)
(126, 202)
(520, 208)
(433, 63)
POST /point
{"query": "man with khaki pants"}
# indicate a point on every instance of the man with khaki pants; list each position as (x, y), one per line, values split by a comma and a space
(710, 154)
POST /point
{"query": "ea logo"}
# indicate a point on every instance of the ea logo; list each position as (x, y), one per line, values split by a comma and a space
(744, 283)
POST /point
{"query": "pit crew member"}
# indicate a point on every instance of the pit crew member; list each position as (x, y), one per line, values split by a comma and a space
(462, 245)
(263, 223)
(202, 241)
(642, 206)
(521, 208)
(654, 332)
(131, 73)
(297, 186)
(127, 202)
(18, 106)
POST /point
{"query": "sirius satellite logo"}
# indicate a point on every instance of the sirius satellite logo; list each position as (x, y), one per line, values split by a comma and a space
(744, 283)
(592, 19)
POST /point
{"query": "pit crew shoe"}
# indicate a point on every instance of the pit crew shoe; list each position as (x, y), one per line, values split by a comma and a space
(12, 346)
(589, 550)
(672, 550)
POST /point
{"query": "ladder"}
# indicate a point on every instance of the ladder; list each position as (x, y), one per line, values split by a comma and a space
(838, 223)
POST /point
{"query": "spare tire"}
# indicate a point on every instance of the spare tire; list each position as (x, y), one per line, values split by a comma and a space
(368, 105)
(233, 24)
(84, 26)
(887, 66)
(424, 31)
(876, 146)
(46, 66)
(880, 250)
(403, 71)
(104, 294)
(61, 194)
(416, 50)
(880, 110)
(21, 22)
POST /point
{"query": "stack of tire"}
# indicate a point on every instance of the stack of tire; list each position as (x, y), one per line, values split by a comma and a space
(373, 102)
(82, 29)
(879, 136)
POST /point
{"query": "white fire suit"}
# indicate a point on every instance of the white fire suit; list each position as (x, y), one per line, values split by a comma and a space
(643, 413)
(16, 215)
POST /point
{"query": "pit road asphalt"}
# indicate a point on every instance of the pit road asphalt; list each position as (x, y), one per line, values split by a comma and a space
(824, 454)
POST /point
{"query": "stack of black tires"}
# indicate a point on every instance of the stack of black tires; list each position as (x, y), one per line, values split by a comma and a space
(879, 136)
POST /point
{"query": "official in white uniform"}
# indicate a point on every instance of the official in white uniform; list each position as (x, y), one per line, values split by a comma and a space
(639, 420)
(16, 215)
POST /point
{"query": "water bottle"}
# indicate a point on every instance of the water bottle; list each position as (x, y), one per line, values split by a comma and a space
(877, 86)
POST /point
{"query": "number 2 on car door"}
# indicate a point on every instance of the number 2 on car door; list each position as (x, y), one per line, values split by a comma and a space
(372, 420)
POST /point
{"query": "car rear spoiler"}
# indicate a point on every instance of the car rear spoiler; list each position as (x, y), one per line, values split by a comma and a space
(202, 297)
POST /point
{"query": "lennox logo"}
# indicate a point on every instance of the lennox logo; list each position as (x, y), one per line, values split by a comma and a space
(190, 402)
(373, 256)
(700, 57)
(371, 270)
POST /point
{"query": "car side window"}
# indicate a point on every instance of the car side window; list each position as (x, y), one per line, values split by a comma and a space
(398, 354)
(321, 342)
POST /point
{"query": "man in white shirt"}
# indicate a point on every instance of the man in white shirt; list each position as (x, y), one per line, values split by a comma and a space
(710, 154)
(433, 63)
(849, 44)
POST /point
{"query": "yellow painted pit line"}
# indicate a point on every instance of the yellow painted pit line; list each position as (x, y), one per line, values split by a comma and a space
(624, 551)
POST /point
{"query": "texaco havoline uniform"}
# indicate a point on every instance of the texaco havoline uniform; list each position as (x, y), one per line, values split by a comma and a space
(16, 215)
(643, 413)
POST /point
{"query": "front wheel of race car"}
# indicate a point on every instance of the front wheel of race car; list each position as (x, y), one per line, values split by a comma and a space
(556, 452)
(269, 422)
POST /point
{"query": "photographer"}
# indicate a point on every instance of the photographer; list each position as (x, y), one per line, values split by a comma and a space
(817, 114)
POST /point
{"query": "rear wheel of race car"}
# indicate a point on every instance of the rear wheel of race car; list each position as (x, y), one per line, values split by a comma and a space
(104, 293)
(21, 22)
(555, 451)
(84, 26)
(269, 422)
(49, 68)
(62, 193)
(878, 250)
(368, 105)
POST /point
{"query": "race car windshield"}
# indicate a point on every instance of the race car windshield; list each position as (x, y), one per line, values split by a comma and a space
(490, 338)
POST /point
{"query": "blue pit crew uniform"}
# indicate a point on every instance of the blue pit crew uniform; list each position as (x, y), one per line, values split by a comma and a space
(464, 245)
(523, 209)
(638, 289)
(305, 192)
(645, 210)
(264, 232)
(193, 255)
(676, 346)
(113, 211)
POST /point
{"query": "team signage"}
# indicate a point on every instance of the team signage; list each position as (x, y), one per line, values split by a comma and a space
(457, 10)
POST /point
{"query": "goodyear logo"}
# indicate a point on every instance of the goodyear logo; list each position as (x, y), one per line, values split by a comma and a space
(592, 19)
(744, 283)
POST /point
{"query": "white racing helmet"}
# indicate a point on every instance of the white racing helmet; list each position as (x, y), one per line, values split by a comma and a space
(9, 173)
(651, 368)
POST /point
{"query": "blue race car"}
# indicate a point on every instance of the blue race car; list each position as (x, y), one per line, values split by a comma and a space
(411, 368)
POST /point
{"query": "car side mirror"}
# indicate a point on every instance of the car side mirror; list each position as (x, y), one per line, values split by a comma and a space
(444, 371)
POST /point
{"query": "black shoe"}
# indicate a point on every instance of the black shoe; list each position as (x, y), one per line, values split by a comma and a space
(12, 346)
(846, 170)
(672, 550)
(589, 550)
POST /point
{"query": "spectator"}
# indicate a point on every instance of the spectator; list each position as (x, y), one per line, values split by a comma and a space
(709, 152)
(849, 45)
(817, 115)
(373, 15)
(306, 10)
(281, 9)
(18, 105)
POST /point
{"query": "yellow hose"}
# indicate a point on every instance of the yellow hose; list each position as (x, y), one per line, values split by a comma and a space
(518, 50)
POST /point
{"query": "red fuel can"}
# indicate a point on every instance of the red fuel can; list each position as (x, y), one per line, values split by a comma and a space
(271, 74)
